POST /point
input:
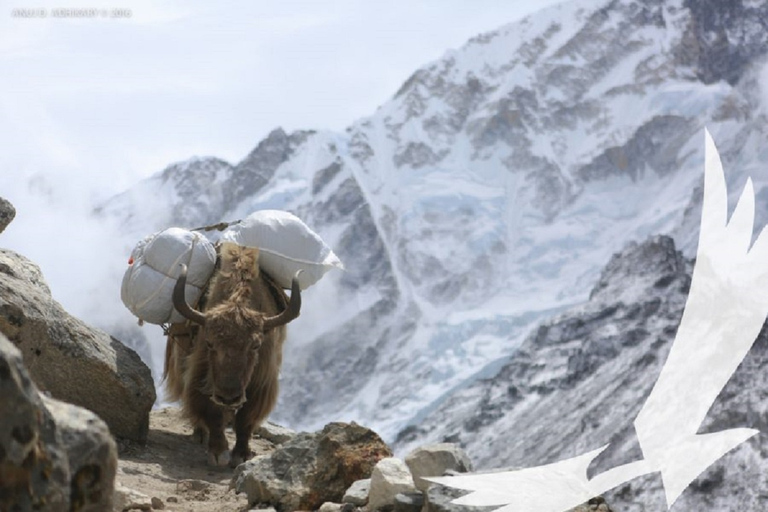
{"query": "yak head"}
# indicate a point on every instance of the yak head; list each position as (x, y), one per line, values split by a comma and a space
(234, 333)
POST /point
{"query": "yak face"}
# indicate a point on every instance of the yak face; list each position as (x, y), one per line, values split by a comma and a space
(233, 341)
(233, 334)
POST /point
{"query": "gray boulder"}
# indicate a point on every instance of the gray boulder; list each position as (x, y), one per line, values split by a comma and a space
(435, 460)
(311, 469)
(439, 499)
(274, 433)
(53, 455)
(389, 478)
(357, 494)
(7, 213)
(67, 358)
(409, 502)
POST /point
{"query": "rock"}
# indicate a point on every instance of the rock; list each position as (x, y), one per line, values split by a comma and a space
(53, 455)
(435, 460)
(389, 477)
(157, 503)
(653, 264)
(312, 469)
(7, 213)
(596, 504)
(130, 499)
(273, 433)
(91, 451)
(438, 499)
(409, 502)
(711, 46)
(357, 494)
(70, 360)
(195, 490)
(329, 506)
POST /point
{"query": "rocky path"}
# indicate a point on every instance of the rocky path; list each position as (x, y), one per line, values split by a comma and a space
(171, 470)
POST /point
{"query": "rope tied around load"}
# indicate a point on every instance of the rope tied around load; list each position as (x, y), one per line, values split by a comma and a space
(221, 226)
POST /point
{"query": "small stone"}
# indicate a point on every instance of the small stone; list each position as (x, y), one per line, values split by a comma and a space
(273, 433)
(439, 498)
(357, 494)
(172, 499)
(409, 502)
(192, 485)
(389, 477)
(157, 504)
(598, 504)
(329, 506)
(436, 460)
(194, 489)
(130, 499)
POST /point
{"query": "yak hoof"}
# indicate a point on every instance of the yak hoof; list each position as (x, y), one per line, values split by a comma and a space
(236, 460)
(220, 460)
(238, 457)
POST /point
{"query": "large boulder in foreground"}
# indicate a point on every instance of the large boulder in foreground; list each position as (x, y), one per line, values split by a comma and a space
(53, 455)
(311, 469)
(67, 358)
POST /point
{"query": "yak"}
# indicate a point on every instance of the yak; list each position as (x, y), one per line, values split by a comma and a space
(223, 364)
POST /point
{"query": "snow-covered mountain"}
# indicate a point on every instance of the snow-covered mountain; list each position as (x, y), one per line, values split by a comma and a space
(485, 197)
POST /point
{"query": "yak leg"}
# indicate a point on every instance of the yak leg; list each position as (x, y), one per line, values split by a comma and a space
(260, 403)
(218, 447)
(200, 435)
(244, 425)
(210, 417)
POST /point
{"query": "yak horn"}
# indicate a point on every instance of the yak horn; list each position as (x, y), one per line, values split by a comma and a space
(180, 301)
(293, 309)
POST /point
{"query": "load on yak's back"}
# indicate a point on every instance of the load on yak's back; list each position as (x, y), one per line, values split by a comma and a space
(286, 245)
(224, 310)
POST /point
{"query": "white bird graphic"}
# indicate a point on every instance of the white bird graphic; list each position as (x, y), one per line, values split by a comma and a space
(725, 310)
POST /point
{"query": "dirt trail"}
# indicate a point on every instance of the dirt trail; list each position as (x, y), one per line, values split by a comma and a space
(172, 467)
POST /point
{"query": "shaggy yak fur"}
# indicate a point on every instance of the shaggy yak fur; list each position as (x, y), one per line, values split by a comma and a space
(224, 363)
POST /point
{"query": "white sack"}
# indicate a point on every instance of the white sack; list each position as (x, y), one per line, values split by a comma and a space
(285, 245)
(148, 283)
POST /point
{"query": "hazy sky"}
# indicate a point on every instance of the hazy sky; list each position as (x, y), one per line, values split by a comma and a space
(118, 99)
(88, 106)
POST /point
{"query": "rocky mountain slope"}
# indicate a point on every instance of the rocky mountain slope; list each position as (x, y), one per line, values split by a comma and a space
(579, 381)
(483, 198)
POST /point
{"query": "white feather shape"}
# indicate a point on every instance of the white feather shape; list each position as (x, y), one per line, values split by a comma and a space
(726, 307)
